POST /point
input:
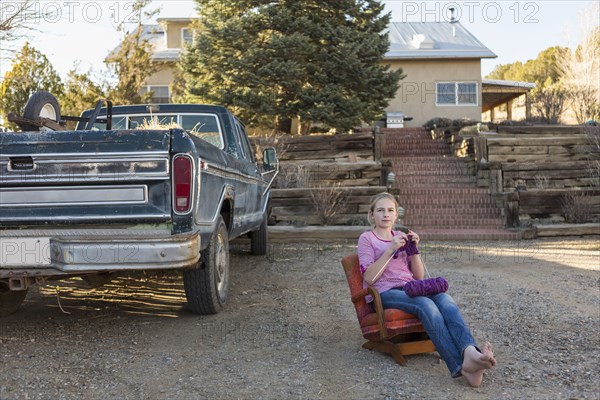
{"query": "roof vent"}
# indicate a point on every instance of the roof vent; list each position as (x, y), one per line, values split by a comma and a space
(420, 41)
(452, 18)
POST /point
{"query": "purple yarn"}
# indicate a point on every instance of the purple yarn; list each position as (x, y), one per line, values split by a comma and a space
(426, 287)
(410, 248)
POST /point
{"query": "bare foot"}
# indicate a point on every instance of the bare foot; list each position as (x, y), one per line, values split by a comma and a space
(487, 350)
(473, 378)
(474, 361)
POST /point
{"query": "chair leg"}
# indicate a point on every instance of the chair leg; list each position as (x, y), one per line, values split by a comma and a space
(388, 348)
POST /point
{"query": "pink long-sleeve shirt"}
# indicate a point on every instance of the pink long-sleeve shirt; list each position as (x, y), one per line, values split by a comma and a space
(397, 272)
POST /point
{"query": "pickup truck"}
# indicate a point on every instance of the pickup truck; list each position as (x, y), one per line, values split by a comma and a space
(116, 194)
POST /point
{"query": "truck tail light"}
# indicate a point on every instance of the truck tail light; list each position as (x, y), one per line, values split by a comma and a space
(183, 171)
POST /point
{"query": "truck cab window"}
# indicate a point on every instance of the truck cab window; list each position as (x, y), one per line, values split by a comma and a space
(205, 127)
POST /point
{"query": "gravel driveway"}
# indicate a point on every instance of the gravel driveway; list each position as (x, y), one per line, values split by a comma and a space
(289, 331)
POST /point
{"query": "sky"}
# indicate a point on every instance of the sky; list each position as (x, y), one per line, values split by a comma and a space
(81, 33)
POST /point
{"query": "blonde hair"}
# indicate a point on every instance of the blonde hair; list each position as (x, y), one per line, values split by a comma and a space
(375, 199)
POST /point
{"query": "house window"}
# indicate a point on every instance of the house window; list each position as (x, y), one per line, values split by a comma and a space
(456, 93)
(160, 94)
(186, 36)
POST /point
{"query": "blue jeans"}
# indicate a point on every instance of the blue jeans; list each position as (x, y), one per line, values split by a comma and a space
(442, 321)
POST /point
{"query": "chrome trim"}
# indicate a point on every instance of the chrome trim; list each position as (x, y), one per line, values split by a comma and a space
(143, 253)
(157, 217)
(89, 168)
(73, 196)
(110, 155)
(233, 174)
(154, 231)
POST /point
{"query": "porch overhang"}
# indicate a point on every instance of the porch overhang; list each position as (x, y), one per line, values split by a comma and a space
(497, 92)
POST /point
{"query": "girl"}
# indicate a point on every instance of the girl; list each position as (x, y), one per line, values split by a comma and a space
(389, 259)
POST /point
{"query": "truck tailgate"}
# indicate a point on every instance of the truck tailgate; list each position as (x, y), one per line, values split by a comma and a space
(84, 177)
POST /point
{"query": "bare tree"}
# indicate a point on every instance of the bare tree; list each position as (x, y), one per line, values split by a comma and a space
(581, 69)
(16, 19)
(550, 102)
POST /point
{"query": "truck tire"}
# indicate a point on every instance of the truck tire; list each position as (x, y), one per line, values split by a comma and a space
(206, 285)
(259, 239)
(10, 300)
(41, 104)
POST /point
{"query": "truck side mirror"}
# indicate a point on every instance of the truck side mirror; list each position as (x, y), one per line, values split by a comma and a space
(270, 161)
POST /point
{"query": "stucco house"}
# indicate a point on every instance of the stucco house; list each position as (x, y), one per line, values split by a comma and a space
(441, 61)
(168, 39)
(442, 64)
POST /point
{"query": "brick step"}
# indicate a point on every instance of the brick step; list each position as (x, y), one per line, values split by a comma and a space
(454, 234)
(406, 173)
(446, 200)
(432, 204)
(482, 222)
(442, 191)
(416, 145)
(425, 158)
(433, 180)
(429, 157)
(430, 164)
(438, 190)
(431, 171)
(422, 210)
(454, 221)
(403, 152)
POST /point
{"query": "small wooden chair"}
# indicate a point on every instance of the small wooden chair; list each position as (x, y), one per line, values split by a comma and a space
(390, 331)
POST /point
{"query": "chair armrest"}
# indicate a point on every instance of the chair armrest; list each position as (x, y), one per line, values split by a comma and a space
(378, 305)
(360, 295)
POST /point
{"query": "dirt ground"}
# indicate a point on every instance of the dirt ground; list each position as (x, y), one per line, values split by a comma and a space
(289, 330)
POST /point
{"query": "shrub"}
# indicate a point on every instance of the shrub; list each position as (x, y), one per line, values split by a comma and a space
(327, 201)
(437, 122)
(577, 207)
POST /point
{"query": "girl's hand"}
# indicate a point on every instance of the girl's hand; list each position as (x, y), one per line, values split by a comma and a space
(398, 241)
(415, 238)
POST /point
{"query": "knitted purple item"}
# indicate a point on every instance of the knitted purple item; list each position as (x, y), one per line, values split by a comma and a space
(426, 287)
(411, 248)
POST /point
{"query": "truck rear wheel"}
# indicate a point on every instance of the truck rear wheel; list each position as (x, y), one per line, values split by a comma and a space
(259, 239)
(10, 300)
(206, 285)
(41, 105)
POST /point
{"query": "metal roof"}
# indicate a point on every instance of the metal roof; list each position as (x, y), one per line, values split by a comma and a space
(418, 40)
(408, 40)
(516, 84)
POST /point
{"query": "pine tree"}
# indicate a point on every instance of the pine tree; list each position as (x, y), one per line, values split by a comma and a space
(319, 61)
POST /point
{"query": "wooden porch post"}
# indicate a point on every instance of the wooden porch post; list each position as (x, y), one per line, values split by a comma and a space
(527, 107)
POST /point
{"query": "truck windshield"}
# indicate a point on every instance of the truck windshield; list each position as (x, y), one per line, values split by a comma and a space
(203, 126)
